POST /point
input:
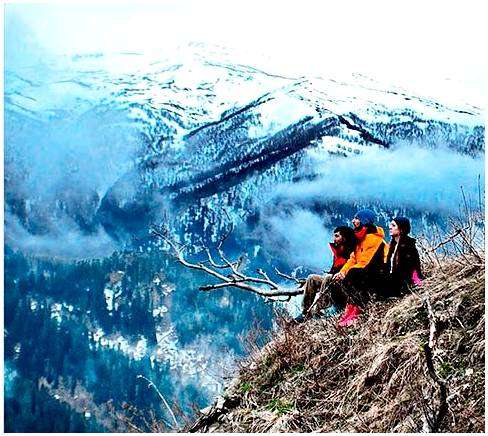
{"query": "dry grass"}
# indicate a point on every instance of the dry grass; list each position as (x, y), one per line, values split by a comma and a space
(372, 377)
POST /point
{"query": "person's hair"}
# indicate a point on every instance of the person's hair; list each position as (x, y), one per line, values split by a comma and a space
(347, 234)
(403, 224)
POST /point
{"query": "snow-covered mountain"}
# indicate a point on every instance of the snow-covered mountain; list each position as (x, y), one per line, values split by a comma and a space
(98, 147)
(90, 145)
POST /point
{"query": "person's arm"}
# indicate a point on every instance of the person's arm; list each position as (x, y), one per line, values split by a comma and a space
(370, 246)
(349, 264)
(416, 279)
(416, 262)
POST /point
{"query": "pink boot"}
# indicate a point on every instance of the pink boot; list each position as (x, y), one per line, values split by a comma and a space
(346, 314)
(350, 316)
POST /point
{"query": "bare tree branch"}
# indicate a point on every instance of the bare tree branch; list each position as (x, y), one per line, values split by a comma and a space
(212, 262)
(288, 277)
(151, 384)
(235, 277)
(450, 238)
(433, 422)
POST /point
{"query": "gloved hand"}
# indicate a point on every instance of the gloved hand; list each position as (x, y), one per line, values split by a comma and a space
(416, 279)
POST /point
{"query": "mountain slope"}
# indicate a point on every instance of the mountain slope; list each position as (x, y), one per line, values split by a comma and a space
(373, 377)
(96, 145)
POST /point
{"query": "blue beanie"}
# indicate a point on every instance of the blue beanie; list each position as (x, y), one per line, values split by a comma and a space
(366, 216)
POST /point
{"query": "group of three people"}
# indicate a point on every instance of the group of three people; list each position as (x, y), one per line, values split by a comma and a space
(364, 264)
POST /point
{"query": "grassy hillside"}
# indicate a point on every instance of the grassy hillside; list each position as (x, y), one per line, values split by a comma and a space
(411, 364)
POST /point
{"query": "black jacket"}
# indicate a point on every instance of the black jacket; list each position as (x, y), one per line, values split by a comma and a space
(401, 263)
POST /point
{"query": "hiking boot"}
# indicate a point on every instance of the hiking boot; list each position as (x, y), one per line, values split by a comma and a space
(350, 316)
(347, 313)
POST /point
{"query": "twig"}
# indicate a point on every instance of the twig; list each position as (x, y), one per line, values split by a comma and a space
(434, 422)
(450, 238)
(288, 277)
(480, 203)
(319, 296)
(151, 384)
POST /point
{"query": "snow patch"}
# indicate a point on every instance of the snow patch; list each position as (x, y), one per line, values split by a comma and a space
(276, 115)
(10, 374)
(190, 363)
(159, 311)
(56, 312)
(33, 304)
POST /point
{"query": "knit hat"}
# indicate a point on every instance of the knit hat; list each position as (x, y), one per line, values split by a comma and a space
(366, 216)
(403, 224)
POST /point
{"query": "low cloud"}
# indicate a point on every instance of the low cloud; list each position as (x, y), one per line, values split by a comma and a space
(405, 178)
(65, 241)
(408, 176)
(300, 236)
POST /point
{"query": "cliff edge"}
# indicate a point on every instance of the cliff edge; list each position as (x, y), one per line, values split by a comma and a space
(409, 365)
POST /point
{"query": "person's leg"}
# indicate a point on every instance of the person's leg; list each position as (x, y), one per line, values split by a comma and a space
(374, 283)
(312, 285)
(337, 294)
(326, 280)
(357, 286)
(382, 285)
(324, 299)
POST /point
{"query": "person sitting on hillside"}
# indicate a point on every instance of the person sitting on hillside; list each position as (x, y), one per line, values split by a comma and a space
(403, 261)
(341, 247)
(364, 272)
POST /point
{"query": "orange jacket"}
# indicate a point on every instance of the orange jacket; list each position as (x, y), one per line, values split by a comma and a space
(366, 249)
